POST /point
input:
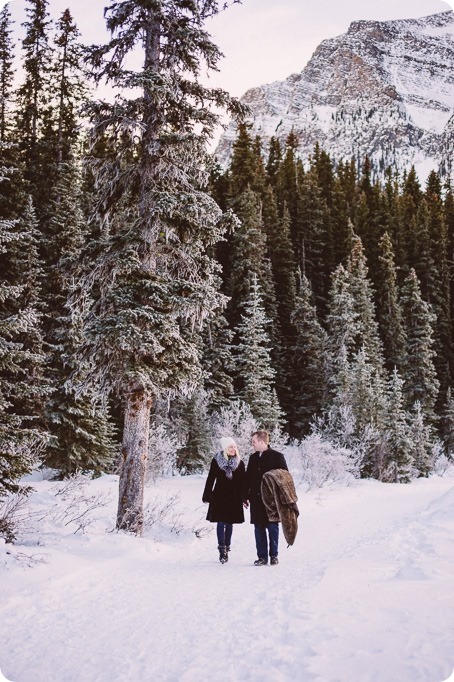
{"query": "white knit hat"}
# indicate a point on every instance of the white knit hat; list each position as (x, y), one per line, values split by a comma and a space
(226, 441)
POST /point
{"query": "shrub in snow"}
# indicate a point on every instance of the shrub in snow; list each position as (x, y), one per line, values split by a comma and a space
(76, 505)
(13, 514)
(163, 510)
(316, 461)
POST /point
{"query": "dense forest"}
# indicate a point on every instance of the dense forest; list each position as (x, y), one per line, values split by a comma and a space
(142, 283)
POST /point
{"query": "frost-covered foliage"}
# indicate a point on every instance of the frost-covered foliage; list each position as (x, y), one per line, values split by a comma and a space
(235, 420)
(163, 448)
(13, 515)
(315, 462)
(253, 360)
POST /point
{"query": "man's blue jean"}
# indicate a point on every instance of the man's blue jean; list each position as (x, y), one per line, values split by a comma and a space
(261, 539)
(224, 531)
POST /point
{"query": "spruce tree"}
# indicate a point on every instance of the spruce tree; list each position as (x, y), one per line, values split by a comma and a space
(308, 363)
(249, 255)
(447, 425)
(364, 306)
(421, 439)
(82, 435)
(315, 255)
(218, 363)
(21, 358)
(342, 326)
(6, 72)
(421, 383)
(33, 100)
(69, 88)
(253, 361)
(149, 281)
(389, 313)
(398, 467)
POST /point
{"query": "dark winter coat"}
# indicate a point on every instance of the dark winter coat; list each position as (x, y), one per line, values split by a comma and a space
(226, 497)
(279, 498)
(258, 465)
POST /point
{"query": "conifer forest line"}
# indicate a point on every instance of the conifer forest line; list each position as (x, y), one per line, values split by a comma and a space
(151, 301)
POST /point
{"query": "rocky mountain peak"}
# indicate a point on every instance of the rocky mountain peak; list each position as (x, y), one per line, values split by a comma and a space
(383, 89)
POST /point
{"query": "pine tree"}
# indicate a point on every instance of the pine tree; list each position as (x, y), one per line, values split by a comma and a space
(283, 272)
(149, 280)
(274, 160)
(68, 77)
(315, 256)
(82, 435)
(246, 170)
(421, 384)
(398, 466)
(33, 99)
(389, 313)
(342, 326)
(218, 363)
(362, 294)
(422, 440)
(253, 361)
(6, 71)
(249, 255)
(308, 363)
(21, 436)
(447, 425)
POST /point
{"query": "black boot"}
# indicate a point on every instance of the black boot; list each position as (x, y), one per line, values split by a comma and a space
(223, 556)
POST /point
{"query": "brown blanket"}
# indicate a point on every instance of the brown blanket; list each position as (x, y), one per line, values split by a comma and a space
(279, 498)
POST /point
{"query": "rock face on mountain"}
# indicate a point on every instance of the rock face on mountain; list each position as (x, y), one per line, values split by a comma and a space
(384, 88)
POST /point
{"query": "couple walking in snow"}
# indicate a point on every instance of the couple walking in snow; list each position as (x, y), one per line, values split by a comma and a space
(265, 485)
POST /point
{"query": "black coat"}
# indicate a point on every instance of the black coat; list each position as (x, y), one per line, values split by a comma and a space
(226, 498)
(258, 465)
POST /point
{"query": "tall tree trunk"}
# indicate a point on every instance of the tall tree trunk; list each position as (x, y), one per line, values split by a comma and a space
(134, 461)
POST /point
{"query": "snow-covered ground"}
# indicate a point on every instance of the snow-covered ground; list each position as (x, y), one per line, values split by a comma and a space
(366, 594)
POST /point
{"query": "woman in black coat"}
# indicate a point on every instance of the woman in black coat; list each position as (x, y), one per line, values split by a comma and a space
(225, 499)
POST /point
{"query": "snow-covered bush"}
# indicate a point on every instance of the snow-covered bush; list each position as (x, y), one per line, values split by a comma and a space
(163, 510)
(316, 461)
(13, 514)
(75, 503)
(162, 452)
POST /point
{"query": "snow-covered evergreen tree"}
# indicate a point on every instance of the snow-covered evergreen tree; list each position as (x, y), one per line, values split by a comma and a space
(422, 440)
(308, 362)
(6, 71)
(398, 466)
(218, 363)
(82, 436)
(421, 383)
(149, 281)
(253, 361)
(249, 255)
(447, 425)
(363, 304)
(389, 313)
(342, 325)
(33, 99)
(21, 357)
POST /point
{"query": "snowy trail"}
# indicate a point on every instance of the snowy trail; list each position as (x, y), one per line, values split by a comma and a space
(366, 594)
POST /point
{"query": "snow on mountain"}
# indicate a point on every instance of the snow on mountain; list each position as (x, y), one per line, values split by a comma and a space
(384, 88)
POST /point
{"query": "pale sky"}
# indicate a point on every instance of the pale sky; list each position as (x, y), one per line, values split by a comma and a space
(262, 40)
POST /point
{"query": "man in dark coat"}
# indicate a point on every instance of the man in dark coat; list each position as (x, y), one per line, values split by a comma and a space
(264, 459)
